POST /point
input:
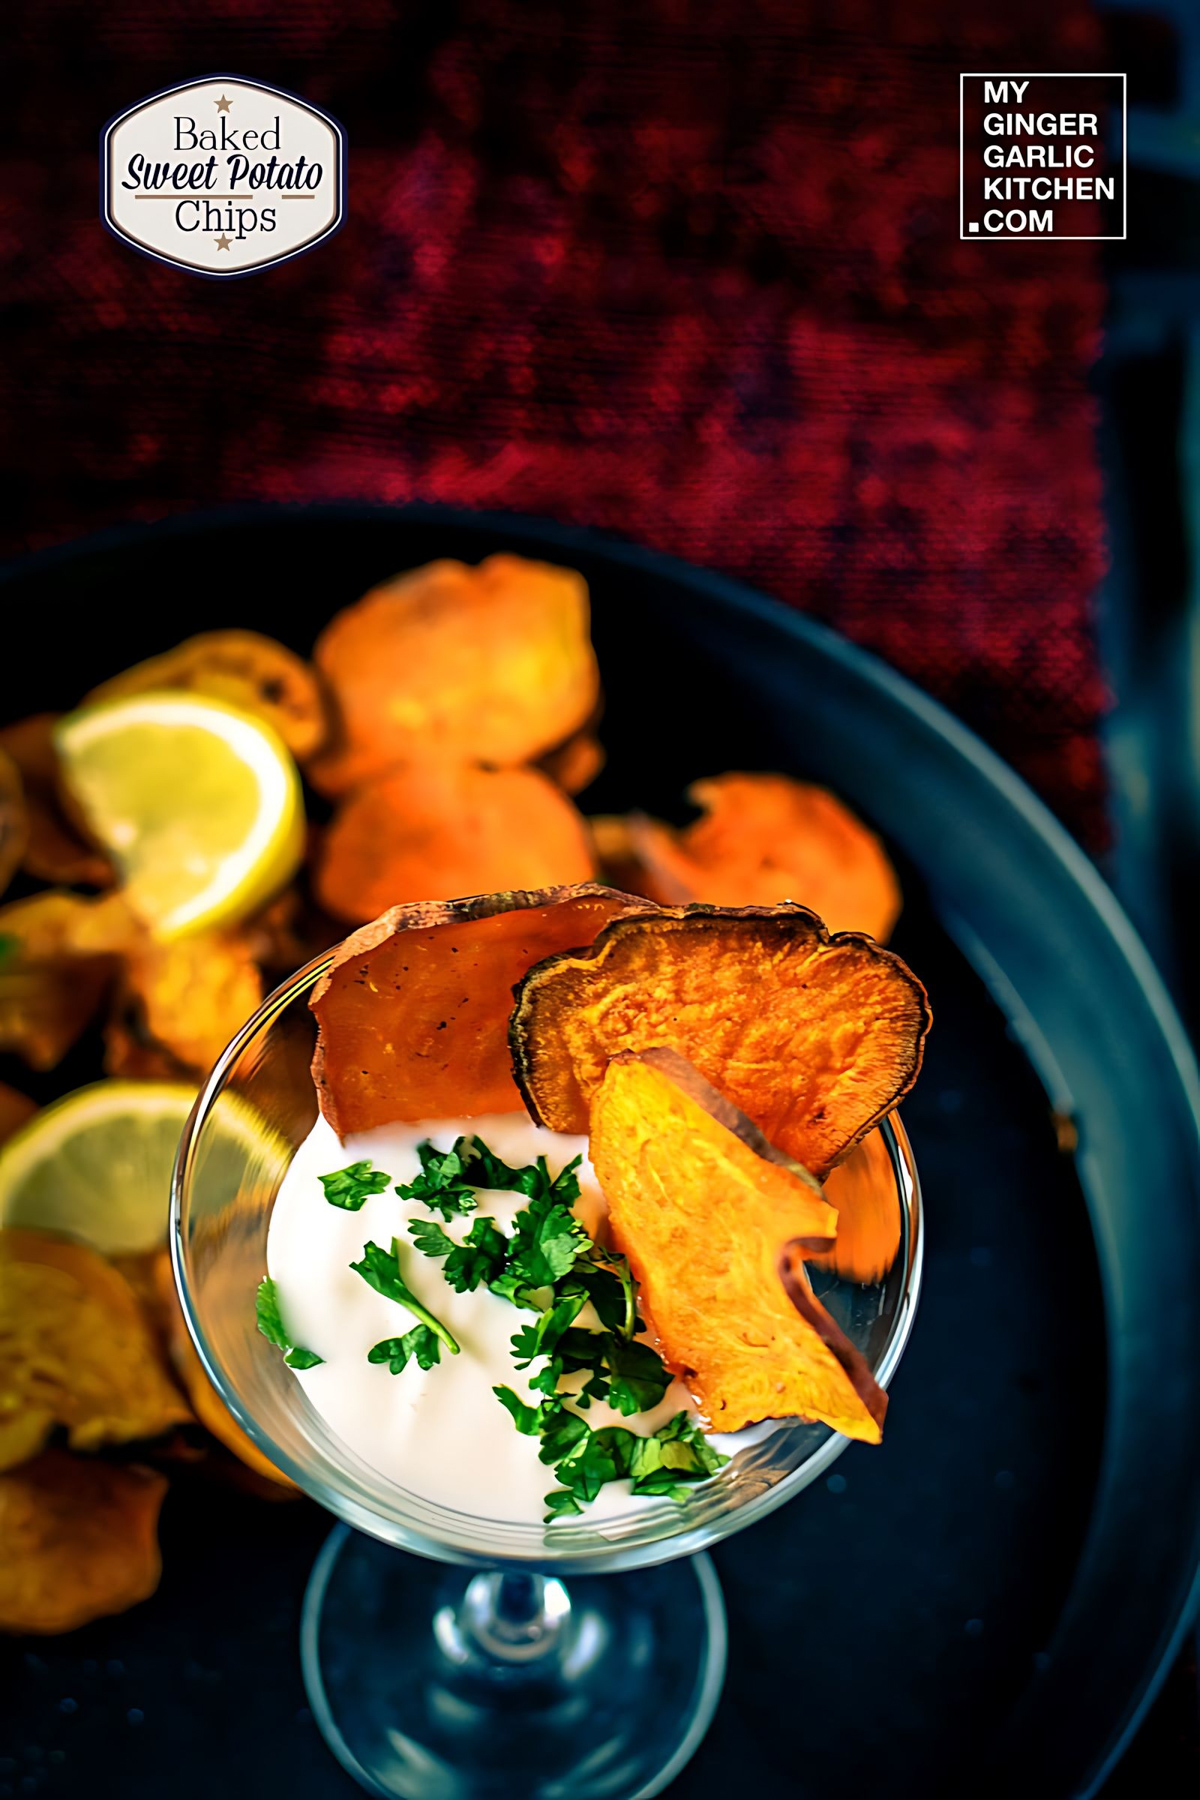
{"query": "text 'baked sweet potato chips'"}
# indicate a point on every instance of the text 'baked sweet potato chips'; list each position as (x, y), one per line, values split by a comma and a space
(703, 1206)
(413, 1016)
(814, 1037)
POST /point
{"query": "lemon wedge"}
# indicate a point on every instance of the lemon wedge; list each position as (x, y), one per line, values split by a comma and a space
(198, 804)
(97, 1164)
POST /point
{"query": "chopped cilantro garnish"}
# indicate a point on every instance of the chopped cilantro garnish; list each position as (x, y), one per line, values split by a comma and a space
(353, 1186)
(270, 1323)
(667, 1462)
(475, 1261)
(381, 1270)
(442, 1183)
(420, 1343)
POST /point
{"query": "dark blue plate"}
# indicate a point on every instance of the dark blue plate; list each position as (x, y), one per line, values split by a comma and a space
(991, 1598)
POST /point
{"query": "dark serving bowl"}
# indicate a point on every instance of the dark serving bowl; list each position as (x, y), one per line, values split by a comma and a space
(989, 1600)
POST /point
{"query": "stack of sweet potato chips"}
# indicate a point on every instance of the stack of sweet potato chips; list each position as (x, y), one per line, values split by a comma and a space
(444, 726)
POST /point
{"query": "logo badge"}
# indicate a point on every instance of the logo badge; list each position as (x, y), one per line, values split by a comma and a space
(223, 176)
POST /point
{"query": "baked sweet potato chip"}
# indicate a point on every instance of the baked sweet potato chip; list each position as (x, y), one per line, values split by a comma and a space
(57, 848)
(451, 663)
(863, 1189)
(14, 820)
(702, 1206)
(180, 1003)
(575, 764)
(78, 1541)
(58, 958)
(243, 668)
(15, 1110)
(814, 1037)
(763, 839)
(75, 1350)
(207, 1404)
(413, 1016)
(433, 831)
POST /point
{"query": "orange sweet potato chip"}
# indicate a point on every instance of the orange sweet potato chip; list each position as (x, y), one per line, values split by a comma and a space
(246, 670)
(457, 664)
(180, 1003)
(15, 1110)
(57, 848)
(14, 820)
(763, 839)
(702, 1206)
(207, 1404)
(863, 1189)
(78, 1541)
(58, 957)
(433, 831)
(413, 1017)
(814, 1037)
(575, 764)
(75, 1350)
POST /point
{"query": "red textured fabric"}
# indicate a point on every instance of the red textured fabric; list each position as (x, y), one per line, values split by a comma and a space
(689, 273)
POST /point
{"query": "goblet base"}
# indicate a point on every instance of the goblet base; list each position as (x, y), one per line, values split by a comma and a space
(434, 1682)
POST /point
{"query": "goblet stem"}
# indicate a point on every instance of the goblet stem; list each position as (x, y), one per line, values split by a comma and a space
(434, 1684)
(513, 1620)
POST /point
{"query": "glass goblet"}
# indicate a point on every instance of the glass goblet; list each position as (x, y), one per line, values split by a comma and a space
(448, 1655)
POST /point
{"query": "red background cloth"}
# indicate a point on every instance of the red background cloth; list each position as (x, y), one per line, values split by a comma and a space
(689, 273)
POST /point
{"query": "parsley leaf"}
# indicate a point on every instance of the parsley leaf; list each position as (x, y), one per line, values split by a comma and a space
(442, 1183)
(429, 1238)
(380, 1269)
(488, 1171)
(420, 1342)
(476, 1260)
(527, 1419)
(668, 1462)
(353, 1186)
(547, 1239)
(270, 1323)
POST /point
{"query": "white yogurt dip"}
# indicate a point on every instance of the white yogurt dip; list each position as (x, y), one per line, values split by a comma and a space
(440, 1433)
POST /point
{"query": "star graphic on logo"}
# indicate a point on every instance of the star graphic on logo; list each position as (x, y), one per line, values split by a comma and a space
(223, 242)
(223, 105)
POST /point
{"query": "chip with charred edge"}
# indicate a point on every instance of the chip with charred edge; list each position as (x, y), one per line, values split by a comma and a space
(413, 1015)
(207, 1404)
(75, 1350)
(78, 1541)
(180, 1003)
(814, 1037)
(853, 1363)
(14, 820)
(702, 1205)
(431, 831)
(451, 663)
(863, 1188)
(243, 668)
(766, 838)
(57, 848)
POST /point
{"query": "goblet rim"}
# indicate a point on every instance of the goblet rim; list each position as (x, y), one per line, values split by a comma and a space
(589, 1558)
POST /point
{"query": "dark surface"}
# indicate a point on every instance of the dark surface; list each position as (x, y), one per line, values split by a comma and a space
(890, 1627)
